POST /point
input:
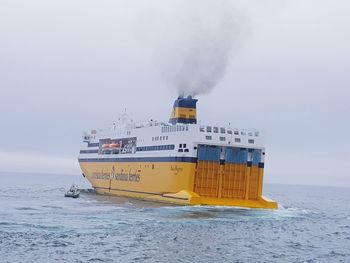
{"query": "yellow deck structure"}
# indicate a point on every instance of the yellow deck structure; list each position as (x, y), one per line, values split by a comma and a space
(200, 183)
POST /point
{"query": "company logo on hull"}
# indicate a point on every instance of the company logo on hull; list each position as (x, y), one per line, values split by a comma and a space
(128, 176)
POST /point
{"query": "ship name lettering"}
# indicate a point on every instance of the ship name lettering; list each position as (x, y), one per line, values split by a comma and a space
(176, 169)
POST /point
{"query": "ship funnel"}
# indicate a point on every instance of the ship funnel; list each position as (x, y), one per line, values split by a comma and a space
(184, 111)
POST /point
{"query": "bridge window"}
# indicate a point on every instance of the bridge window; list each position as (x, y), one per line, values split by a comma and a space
(208, 137)
(216, 129)
(236, 132)
(229, 132)
(222, 139)
(250, 141)
(201, 128)
(237, 139)
(208, 128)
(222, 130)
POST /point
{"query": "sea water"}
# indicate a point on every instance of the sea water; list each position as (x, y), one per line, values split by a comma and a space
(38, 224)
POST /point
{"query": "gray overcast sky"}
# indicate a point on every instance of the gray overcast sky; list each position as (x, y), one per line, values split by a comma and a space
(68, 66)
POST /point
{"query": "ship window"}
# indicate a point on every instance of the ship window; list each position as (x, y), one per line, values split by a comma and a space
(216, 129)
(160, 138)
(243, 133)
(180, 150)
(222, 139)
(256, 134)
(229, 132)
(152, 138)
(184, 145)
(201, 128)
(250, 141)
(208, 128)
(167, 137)
(186, 128)
(237, 139)
(186, 150)
(250, 133)
(236, 132)
(180, 145)
(157, 138)
(208, 137)
(222, 130)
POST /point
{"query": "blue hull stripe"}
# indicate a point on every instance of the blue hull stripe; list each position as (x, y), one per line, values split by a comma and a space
(93, 144)
(141, 159)
(88, 151)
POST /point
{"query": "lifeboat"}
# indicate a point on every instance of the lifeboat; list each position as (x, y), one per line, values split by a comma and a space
(114, 145)
(105, 146)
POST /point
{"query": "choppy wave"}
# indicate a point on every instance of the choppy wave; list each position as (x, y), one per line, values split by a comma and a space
(40, 225)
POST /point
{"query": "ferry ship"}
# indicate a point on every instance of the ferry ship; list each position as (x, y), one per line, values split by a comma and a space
(181, 161)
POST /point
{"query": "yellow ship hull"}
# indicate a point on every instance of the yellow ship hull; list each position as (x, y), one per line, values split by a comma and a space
(183, 183)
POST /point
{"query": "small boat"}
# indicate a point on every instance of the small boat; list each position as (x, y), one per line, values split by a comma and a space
(73, 192)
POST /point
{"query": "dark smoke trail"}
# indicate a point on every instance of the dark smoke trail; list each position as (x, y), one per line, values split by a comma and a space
(195, 46)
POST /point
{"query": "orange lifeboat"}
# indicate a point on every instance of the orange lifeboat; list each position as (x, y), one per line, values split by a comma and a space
(114, 145)
(105, 146)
